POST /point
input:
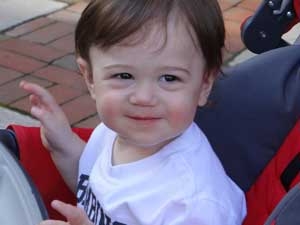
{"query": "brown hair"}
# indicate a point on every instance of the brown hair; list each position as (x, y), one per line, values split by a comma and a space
(105, 23)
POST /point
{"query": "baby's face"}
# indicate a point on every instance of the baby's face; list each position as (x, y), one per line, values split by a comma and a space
(147, 93)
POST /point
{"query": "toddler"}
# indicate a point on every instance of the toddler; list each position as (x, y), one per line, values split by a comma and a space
(147, 64)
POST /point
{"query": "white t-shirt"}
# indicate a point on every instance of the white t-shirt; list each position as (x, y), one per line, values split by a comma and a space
(182, 184)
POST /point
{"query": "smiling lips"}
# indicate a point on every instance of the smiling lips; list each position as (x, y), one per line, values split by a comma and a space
(143, 118)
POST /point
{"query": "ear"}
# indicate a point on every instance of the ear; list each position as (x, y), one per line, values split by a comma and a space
(206, 87)
(87, 73)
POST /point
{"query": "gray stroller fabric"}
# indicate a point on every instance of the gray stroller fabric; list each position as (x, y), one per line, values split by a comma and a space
(287, 211)
(252, 108)
(19, 200)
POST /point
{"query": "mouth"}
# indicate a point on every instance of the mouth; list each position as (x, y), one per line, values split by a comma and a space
(144, 118)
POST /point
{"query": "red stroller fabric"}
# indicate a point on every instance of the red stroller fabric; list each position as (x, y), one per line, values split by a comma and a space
(268, 189)
(38, 164)
(297, 8)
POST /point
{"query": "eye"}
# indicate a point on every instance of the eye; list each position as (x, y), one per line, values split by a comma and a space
(169, 78)
(123, 76)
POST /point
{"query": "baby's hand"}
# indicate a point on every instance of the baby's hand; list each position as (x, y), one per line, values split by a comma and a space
(56, 132)
(74, 215)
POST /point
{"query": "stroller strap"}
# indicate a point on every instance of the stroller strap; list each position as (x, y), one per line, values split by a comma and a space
(275, 181)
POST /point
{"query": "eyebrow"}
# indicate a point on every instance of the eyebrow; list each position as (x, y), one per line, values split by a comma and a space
(186, 71)
(176, 68)
(116, 66)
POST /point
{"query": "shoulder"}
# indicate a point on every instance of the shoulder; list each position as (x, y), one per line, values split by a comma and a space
(205, 198)
(199, 159)
(211, 190)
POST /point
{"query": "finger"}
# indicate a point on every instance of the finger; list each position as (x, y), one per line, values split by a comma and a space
(74, 215)
(36, 90)
(34, 100)
(38, 113)
(53, 222)
(43, 95)
(36, 108)
(43, 100)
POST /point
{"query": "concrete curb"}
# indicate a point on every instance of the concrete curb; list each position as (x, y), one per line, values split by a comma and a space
(10, 15)
(8, 116)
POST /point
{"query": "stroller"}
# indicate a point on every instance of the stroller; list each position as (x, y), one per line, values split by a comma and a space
(252, 122)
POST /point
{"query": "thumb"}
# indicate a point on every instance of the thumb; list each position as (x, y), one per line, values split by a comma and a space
(74, 215)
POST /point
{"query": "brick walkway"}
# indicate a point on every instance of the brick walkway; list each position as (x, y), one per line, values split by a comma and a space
(42, 50)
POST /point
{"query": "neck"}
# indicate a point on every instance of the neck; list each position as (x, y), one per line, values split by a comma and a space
(124, 152)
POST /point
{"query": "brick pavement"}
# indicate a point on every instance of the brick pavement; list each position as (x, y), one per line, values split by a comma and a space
(42, 50)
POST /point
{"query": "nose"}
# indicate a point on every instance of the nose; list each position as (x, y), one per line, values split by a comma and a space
(143, 95)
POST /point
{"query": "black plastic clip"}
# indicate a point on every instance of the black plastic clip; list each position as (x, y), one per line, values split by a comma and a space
(263, 31)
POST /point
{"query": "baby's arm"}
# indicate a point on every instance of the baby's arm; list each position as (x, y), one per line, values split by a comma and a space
(64, 146)
(74, 215)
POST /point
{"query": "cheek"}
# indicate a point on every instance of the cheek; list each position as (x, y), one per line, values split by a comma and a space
(181, 114)
(107, 105)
